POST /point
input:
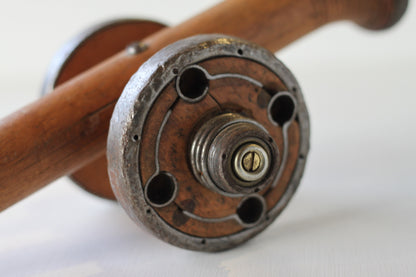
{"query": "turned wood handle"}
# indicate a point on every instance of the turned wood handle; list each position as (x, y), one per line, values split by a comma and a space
(63, 131)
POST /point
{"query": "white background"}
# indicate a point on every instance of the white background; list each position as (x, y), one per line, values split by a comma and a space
(353, 215)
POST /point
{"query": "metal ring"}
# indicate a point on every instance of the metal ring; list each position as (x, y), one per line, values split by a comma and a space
(134, 107)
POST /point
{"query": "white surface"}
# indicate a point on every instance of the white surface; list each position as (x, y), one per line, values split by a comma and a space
(353, 215)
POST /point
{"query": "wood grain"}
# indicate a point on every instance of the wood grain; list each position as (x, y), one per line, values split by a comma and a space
(67, 129)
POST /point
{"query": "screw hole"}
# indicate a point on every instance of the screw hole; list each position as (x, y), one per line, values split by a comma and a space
(281, 109)
(203, 241)
(148, 211)
(224, 156)
(135, 137)
(175, 71)
(161, 189)
(192, 84)
(240, 52)
(250, 210)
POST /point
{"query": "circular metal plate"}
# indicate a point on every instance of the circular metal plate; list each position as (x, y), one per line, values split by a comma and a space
(82, 53)
(153, 124)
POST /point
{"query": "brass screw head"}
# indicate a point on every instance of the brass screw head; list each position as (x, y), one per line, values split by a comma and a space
(251, 163)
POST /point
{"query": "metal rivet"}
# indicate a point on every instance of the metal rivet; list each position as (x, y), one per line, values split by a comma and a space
(136, 48)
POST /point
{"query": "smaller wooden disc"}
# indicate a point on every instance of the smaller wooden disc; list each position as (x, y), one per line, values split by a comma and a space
(82, 53)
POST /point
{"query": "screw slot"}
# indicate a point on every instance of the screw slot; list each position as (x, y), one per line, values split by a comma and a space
(251, 162)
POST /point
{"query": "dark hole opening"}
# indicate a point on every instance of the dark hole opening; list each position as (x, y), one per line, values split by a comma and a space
(193, 83)
(250, 210)
(160, 189)
(282, 109)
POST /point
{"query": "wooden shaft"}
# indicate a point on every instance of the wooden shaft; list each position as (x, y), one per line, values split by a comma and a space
(63, 131)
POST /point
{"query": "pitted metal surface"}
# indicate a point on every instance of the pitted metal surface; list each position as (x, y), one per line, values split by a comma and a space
(252, 212)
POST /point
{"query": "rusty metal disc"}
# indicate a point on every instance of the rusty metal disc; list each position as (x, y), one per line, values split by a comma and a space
(83, 52)
(208, 142)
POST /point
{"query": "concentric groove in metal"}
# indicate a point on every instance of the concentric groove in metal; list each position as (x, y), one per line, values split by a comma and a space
(159, 135)
(132, 110)
(232, 216)
(199, 152)
(285, 128)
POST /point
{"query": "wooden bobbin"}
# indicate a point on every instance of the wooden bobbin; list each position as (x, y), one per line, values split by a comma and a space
(66, 130)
